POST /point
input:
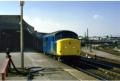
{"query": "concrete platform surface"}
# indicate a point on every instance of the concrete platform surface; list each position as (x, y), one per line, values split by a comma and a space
(53, 70)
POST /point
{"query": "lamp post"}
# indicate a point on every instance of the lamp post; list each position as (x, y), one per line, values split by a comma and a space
(21, 33)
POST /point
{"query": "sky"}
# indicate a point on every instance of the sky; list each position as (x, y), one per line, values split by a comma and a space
(100, 17)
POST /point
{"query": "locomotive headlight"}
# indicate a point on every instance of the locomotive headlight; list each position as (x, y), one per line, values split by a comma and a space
(74, 47)
(65, 47)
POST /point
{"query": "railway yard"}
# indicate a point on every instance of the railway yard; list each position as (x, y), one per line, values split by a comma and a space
(53, 56)
(59, 40)
(107, 69)
(97, 54)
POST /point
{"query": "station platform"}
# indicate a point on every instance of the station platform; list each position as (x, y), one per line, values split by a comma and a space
(104, 55)
(54, 70)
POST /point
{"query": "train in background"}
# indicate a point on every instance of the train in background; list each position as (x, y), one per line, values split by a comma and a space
(62, 45)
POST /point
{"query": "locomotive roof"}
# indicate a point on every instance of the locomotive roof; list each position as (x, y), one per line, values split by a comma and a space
(60, 31)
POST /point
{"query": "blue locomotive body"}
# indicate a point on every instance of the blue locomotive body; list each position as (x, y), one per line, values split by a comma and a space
(48, 44)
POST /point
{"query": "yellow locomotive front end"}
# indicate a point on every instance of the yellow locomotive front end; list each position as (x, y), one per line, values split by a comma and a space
(68, 47)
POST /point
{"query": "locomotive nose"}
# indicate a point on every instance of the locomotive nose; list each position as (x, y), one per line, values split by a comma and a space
(68, 47)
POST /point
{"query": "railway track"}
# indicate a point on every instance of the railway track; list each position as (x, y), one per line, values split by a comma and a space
(98, 69)
(88, 72)
(113, 67)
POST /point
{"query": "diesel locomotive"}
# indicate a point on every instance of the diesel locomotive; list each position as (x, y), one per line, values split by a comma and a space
(62, 45)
